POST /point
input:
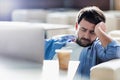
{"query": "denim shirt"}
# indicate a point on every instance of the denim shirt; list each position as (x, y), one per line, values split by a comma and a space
(96, 54)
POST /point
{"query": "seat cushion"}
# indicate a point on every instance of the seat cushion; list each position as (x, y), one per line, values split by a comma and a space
(106, 71)
(115, 34)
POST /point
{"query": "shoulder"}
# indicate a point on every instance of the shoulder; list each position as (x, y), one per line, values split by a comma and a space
(113, 44)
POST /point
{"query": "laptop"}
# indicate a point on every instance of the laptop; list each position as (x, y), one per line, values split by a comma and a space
(23, 41)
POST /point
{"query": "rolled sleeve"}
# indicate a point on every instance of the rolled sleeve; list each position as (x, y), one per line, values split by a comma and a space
(112, 44)
(111, 51)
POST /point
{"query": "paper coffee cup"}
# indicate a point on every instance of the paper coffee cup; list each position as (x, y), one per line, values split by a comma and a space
(63, 58)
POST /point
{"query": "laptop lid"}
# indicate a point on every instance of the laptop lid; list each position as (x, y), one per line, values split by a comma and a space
(22, 41)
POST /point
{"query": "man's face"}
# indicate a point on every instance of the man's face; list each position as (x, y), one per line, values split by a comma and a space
(85, 33)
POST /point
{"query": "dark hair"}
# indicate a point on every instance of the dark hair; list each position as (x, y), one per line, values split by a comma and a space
(92, 14)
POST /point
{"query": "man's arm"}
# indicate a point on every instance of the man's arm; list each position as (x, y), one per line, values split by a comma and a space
(100, 32)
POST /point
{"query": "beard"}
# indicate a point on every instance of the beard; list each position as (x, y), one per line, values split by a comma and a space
(84, 42)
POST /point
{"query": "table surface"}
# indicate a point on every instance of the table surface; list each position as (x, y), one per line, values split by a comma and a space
(13, 69)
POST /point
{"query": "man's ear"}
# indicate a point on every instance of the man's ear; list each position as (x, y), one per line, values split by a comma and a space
(76, 26)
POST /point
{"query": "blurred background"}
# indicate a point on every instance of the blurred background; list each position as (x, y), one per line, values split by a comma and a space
(8, 6)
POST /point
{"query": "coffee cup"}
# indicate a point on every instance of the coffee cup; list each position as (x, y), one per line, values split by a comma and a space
(63, 58)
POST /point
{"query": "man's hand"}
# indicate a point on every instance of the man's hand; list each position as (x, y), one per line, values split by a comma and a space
(100, 27)
(100, 30)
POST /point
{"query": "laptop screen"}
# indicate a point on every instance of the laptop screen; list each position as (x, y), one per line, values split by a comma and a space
(22, 41)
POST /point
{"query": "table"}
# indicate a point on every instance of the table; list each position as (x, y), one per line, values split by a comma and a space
(15, 69)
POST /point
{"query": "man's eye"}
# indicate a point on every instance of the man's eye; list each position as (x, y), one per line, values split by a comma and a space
(82, 29)
(92, 32)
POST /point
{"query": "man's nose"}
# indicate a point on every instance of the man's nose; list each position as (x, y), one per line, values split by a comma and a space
(87, 35)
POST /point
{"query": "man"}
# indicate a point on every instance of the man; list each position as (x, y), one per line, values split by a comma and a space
(98, 46)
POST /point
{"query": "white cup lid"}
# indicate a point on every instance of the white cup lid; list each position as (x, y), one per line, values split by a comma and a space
(63, 50)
